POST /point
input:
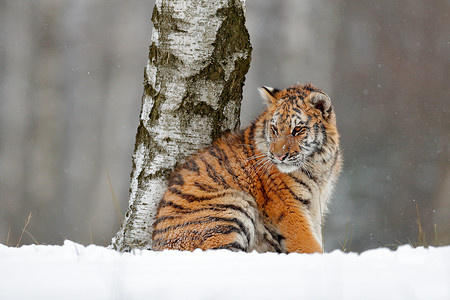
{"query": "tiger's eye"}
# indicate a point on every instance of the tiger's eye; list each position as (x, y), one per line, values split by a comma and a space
(298, 130)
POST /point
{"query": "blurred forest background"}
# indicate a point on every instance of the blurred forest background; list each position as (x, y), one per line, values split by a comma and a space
(71, 77)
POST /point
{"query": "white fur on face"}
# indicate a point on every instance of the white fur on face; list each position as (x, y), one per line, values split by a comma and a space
(286, 168)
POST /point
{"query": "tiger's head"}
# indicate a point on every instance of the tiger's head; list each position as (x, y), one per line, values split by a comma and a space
(298, 126)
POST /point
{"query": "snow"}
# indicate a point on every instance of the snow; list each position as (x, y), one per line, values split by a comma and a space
(73, 271)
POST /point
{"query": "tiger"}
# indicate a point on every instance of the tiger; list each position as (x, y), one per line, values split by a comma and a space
(264, 188)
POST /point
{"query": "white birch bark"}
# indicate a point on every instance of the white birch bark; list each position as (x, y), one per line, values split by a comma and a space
(199, 55)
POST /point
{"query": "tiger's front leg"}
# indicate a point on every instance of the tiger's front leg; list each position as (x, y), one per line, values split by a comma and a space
(295, 227)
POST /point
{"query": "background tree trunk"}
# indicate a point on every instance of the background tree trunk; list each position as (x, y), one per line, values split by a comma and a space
(199, 55)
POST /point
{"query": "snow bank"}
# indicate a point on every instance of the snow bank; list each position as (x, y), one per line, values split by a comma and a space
(73, 271)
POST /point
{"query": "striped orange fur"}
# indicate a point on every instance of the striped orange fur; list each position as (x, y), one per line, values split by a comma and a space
(264, 188)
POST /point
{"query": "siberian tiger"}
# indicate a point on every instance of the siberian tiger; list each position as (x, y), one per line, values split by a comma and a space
(264, 188)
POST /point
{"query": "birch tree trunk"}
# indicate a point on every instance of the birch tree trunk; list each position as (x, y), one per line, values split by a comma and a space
(199, 55)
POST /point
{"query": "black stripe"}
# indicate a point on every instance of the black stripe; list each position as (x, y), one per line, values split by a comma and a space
(239, 160)
(297, 110)
(301, 182)
(201, 220)
(274, 189)
(231, 246)
(295, 196)
(270, 240)
(262, 185)
(230, 170)
(234, 220)
(302, 95)
(216, 177)
(264, 131)
(309, 175)
(316, 131)
(301, 200)
(205, 187)
(305, 138)
(233, 207)
(251, 134)
(309, 120)
(212, 207)
(247, 148)
(212, 150)
(196, 237)
(164, 203)
(191, 165)
(284, 117)
(330, 109)
(251, 154)
(310, 88)
(192, 198)
(219, 229)
(324, 132)
(176, 179)
(276, 236)
(163, 218)
(320, 150)
(216, 207)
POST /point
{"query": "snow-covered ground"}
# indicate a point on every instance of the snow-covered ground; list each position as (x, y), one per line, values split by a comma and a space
(73, 271)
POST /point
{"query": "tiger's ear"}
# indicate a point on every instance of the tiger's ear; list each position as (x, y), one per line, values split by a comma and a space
(268, 94)
(321, 102)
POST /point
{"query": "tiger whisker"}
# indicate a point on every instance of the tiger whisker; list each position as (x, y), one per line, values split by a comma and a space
(267, 168)
(267, 161)
(252, 146)
(271, 167)
(255, 157)
(258, 168)
(259, 162)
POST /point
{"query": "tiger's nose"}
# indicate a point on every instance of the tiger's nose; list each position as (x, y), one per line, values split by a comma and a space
(281, 157)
